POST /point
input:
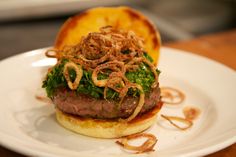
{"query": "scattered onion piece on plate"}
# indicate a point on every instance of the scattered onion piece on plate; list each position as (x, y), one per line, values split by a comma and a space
(191, 113)
(43, 99)
(172, 96)
(147, 146)
(171, 119)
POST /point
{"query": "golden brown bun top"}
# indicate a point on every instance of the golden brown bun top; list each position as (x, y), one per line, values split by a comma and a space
(119, 17)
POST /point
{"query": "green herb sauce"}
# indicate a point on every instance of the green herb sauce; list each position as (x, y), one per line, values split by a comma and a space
(55, 79)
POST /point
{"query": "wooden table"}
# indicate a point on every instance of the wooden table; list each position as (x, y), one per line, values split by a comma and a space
(220, 47)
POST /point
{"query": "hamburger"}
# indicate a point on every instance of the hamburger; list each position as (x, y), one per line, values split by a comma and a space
(105, 82)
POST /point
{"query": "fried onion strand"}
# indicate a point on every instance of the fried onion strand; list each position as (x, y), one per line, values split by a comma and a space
(140, 103)
(174, 95)
(171, 120)
(79, 74)
(112, 65)
(147, 146)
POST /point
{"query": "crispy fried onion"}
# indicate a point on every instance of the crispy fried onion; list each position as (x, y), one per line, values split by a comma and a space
(78, 71)
(95, 62)
(147, 146)
(140, 103)
(66, 51)
(112, 65)
(172, 96)
(98, 47)
(171, 120)
(118, 82)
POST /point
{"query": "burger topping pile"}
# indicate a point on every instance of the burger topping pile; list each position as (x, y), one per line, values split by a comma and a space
(109, 64)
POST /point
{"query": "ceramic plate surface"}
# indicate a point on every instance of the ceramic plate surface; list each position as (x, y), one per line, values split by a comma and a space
(28, 126)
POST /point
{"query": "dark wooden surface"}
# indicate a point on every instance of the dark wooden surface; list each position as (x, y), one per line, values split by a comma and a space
(220, 47)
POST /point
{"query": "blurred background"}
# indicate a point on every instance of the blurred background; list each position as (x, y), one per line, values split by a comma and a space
(32, 24)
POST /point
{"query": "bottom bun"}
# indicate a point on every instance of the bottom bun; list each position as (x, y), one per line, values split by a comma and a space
(107, 128)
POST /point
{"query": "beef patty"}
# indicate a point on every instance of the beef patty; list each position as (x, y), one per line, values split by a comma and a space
(86, 106)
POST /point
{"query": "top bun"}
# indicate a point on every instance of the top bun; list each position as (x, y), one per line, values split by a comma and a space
(118, 17)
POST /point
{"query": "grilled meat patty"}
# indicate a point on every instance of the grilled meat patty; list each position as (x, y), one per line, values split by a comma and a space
(85, 106)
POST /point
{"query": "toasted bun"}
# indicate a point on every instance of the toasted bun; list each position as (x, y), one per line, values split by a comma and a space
(119, 17)
(107, 128)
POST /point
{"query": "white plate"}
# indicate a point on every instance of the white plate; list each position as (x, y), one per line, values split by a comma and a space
(28, 126)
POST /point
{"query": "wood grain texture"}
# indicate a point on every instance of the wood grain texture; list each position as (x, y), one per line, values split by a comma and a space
(220, 47)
